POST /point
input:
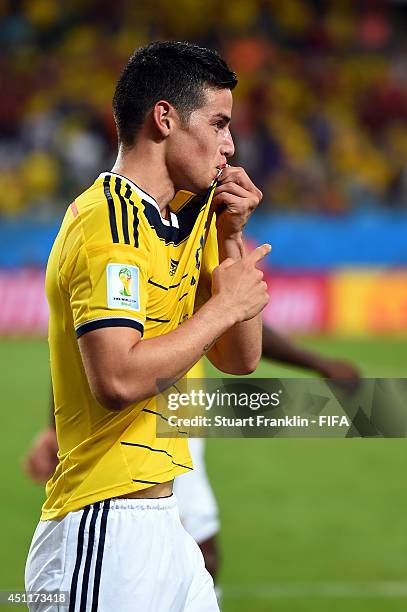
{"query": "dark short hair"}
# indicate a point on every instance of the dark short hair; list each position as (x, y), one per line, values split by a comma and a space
(177, 72)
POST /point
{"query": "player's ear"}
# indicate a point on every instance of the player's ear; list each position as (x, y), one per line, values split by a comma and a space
(164, 117)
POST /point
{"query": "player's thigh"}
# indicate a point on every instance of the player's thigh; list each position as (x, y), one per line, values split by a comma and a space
(46, 562)
(117, 555)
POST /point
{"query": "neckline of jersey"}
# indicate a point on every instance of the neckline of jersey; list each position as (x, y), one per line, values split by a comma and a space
(171, 222)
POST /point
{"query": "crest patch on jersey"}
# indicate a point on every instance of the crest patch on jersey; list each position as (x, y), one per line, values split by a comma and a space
(173, 266)
(123, 287)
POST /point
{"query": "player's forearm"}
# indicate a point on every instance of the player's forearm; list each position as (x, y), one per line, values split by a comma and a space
(278, 347)
(232, 247)
(238, 350)
(134, 377)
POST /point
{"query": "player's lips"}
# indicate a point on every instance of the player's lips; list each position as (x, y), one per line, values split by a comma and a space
(219, 169)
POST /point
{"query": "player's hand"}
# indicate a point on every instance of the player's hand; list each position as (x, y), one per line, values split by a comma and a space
(239, 285)
(234, 200)
(338, 369)
(41, 460)
(345, 374)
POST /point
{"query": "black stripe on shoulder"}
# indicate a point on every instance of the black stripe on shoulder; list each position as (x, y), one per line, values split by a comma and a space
(79, 552)
(112, 213)
(135, 215)
(125, 216)
(146, 481)
(99, 556)
(108, 322)
(182, 297)
(88, 560)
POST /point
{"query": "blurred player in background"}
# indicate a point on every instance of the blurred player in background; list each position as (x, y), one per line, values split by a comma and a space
(196, 500)
(138, 255)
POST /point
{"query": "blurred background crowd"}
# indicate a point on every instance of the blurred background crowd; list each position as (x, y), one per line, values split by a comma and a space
(320, 123)
(320, 117)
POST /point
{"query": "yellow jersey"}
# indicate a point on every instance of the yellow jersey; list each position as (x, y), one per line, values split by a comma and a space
(117, 262)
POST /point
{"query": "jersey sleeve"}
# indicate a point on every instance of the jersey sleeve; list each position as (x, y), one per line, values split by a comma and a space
(210, 260)
(108, 288)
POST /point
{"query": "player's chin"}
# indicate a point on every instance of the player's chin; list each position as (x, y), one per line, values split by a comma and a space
(200, 182)
(202, 186)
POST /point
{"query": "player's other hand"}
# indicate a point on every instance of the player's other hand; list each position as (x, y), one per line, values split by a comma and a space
(337, 369)
(239, 286)
(234, 200)
(41, 460)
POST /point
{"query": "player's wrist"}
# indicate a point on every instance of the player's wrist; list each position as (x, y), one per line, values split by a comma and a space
(234, 236)
(223, 312)
(231, 247)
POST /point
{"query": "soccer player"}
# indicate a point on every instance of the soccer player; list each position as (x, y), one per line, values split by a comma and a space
(136, 293)
(196, 500)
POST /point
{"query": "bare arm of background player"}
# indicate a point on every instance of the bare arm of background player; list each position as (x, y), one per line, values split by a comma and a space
(41, 459)
(278, 347)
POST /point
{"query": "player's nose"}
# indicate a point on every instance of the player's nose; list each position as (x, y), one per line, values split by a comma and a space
(228, 146)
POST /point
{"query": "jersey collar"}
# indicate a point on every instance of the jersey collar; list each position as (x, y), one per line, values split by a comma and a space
(143, 195)
(181, 198)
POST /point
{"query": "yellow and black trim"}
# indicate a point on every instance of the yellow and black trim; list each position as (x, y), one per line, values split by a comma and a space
(108, 322)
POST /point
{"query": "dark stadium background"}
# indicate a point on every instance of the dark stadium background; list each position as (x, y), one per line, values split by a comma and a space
(320, 123)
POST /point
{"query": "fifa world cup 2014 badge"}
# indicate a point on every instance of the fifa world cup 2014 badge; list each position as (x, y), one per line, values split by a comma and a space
(125, 277)
(123, 289)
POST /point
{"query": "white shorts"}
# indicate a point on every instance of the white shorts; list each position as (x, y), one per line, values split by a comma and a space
(197, 504)
(121, 555)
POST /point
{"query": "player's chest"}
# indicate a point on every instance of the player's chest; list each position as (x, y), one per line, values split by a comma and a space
(172, 286)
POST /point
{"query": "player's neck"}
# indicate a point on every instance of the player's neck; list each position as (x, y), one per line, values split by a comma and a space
(145, 167)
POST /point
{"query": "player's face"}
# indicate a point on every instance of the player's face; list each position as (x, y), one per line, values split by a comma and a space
(198, 150)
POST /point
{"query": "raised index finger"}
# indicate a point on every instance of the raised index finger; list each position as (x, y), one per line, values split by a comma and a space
(259, 253)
